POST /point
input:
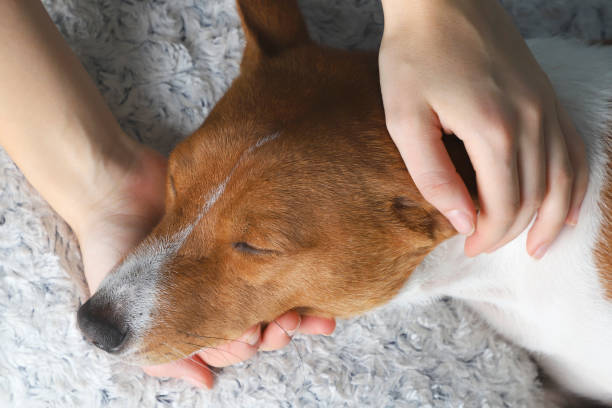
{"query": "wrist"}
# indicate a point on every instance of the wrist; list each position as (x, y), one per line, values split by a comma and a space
(402, 15)
(129, 180)
(88, 172)
(426, 17)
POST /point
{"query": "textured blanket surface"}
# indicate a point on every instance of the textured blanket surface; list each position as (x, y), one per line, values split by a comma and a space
(161, 65)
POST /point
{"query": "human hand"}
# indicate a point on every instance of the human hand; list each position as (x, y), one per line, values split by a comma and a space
(462, 67)
(277, 335)
(121, 219)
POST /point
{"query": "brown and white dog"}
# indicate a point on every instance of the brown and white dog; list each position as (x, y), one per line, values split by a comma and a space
(293, 196)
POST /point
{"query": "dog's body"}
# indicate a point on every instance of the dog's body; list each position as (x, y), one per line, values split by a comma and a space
(293, 196)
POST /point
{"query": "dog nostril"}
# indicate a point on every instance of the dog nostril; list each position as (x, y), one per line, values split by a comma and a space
(101, 327)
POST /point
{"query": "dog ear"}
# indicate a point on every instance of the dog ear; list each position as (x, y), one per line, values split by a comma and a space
(421, 217)
(271, 26)
(423, 220)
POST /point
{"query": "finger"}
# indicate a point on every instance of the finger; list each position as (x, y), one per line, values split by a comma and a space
(419, 141)
(234, 351)
(531, 165)
(317, 325)
(279, 332)
(494, 156)
(192, 370)
(577, 156)
(553, 212)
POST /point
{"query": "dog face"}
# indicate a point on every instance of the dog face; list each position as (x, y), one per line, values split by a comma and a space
(290, 196)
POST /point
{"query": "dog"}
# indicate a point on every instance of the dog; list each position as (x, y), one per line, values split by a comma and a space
(292, 196)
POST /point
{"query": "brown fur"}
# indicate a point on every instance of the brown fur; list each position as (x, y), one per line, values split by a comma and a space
(603, 250)
(329, 199)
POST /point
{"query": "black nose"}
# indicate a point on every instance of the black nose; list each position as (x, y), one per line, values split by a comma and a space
(102, 325)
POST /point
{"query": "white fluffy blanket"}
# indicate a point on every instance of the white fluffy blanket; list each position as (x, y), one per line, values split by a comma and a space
(161, 65)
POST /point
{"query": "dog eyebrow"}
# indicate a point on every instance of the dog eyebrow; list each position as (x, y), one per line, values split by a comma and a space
(220, 189)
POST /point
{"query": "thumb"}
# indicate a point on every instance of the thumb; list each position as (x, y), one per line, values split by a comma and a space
(418, 138)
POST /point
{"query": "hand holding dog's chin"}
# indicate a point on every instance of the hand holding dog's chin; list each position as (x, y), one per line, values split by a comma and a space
(277, 335)
(462, 67)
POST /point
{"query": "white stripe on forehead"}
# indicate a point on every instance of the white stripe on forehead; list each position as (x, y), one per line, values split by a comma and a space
(181, 236)
(218, 191)
(263, 141)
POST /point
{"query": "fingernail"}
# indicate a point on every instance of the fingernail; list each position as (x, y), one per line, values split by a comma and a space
(539, 253)
(290, 333)
(193, 382)
(461, 221)
(572, 218)
(252, 336)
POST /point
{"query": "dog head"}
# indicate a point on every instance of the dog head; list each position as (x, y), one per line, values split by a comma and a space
(290, 196)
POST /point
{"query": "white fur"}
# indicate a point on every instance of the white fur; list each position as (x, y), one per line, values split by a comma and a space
(554, 307)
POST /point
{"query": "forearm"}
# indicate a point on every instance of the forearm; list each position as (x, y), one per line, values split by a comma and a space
(427, 17)
(53, 122)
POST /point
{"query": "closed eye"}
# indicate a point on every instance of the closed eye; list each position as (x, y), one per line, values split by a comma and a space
(250, 249)
(172, 187)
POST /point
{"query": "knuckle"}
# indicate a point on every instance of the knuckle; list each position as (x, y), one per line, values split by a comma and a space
(435, 185)
(398, 124)
(498, 115)
(502, 138)
(533, 108)
(505, 142)
(497, 121)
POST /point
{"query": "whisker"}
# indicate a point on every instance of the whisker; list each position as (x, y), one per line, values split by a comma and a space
(200, 336)
(210, 337)
(295, 347)
(199, 346)
(190, 358)
(202, 347)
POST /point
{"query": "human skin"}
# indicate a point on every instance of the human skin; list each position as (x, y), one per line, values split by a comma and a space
(461, 66)
(57, 128)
